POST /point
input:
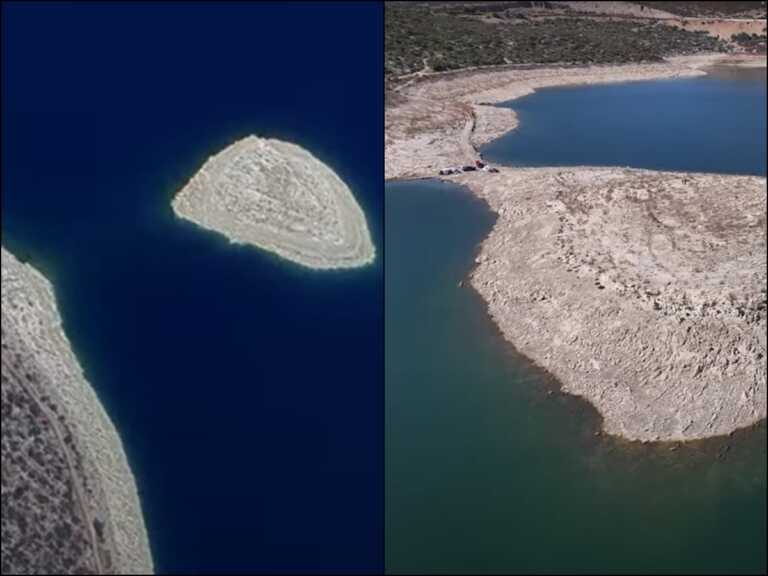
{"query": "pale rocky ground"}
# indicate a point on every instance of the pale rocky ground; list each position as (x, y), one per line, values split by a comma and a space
(724, 29)
(439, 120)
(69, 500)
(277, 196)
(625, 9)
(644, 292)
(721, 27)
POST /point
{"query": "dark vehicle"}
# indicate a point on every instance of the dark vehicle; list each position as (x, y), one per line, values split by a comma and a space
(468, 168)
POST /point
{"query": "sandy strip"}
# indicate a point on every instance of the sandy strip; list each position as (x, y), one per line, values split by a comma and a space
(278, 197)
(31, 316)
(426, 129)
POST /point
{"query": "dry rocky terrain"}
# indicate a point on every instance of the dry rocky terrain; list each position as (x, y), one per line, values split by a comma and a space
(277, 196)
(45, 528)
(644, 292)
(69, 501)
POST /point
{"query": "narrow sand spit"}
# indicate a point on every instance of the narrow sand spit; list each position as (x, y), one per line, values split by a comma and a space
(72, 504)
(279, 197)
(643, 292)
(438, 121)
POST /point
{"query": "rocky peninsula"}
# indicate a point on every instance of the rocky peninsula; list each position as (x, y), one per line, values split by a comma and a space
(70, 504)
(643, 292)
(278, 197)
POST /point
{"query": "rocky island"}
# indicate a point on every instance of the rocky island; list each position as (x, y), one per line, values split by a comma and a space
(278, 197)
(69, 500)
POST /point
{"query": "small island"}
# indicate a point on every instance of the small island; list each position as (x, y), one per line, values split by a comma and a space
(70, 504)
(277, 196)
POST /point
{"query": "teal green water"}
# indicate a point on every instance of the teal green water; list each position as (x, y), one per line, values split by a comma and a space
(489, 468)
(487, 472)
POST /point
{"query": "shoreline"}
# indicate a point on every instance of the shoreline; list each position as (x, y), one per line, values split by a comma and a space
(426, 129)
(475, 103)
(597, 331)
(100, 474)
(716, 446)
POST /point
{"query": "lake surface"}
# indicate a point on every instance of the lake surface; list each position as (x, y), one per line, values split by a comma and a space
(488, 467)
(247, 390)
(702, 124)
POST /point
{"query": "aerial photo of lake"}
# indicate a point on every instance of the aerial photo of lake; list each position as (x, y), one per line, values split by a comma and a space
(488, 466)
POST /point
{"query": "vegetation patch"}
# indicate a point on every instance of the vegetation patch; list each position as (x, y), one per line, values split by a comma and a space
(437, 38)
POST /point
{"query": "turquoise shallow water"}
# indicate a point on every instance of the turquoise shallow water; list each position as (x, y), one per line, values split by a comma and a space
(490, 469)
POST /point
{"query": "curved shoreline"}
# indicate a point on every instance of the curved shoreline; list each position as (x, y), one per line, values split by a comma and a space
(423, 132)
(465, 99)
(105, 481)
(660, 359)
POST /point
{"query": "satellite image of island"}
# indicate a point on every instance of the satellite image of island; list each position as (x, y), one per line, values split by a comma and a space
(383, 287)
(277, 196)
(192, 288)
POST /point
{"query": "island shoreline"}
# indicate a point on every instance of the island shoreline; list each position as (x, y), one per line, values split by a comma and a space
(314, 220)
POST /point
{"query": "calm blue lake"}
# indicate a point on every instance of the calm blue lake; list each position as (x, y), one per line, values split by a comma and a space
(702, 124)
(489, 468)
(247, 390)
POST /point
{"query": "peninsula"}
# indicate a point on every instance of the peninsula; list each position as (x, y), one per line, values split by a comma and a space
(278, 197)
(70, 504)
(642, 292)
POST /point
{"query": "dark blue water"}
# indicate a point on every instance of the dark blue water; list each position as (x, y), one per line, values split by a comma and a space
(247, 390)
(714, 122)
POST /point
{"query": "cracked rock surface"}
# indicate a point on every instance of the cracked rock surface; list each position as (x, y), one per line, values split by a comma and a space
(644, 292)
(69, 500)
(277, 196)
